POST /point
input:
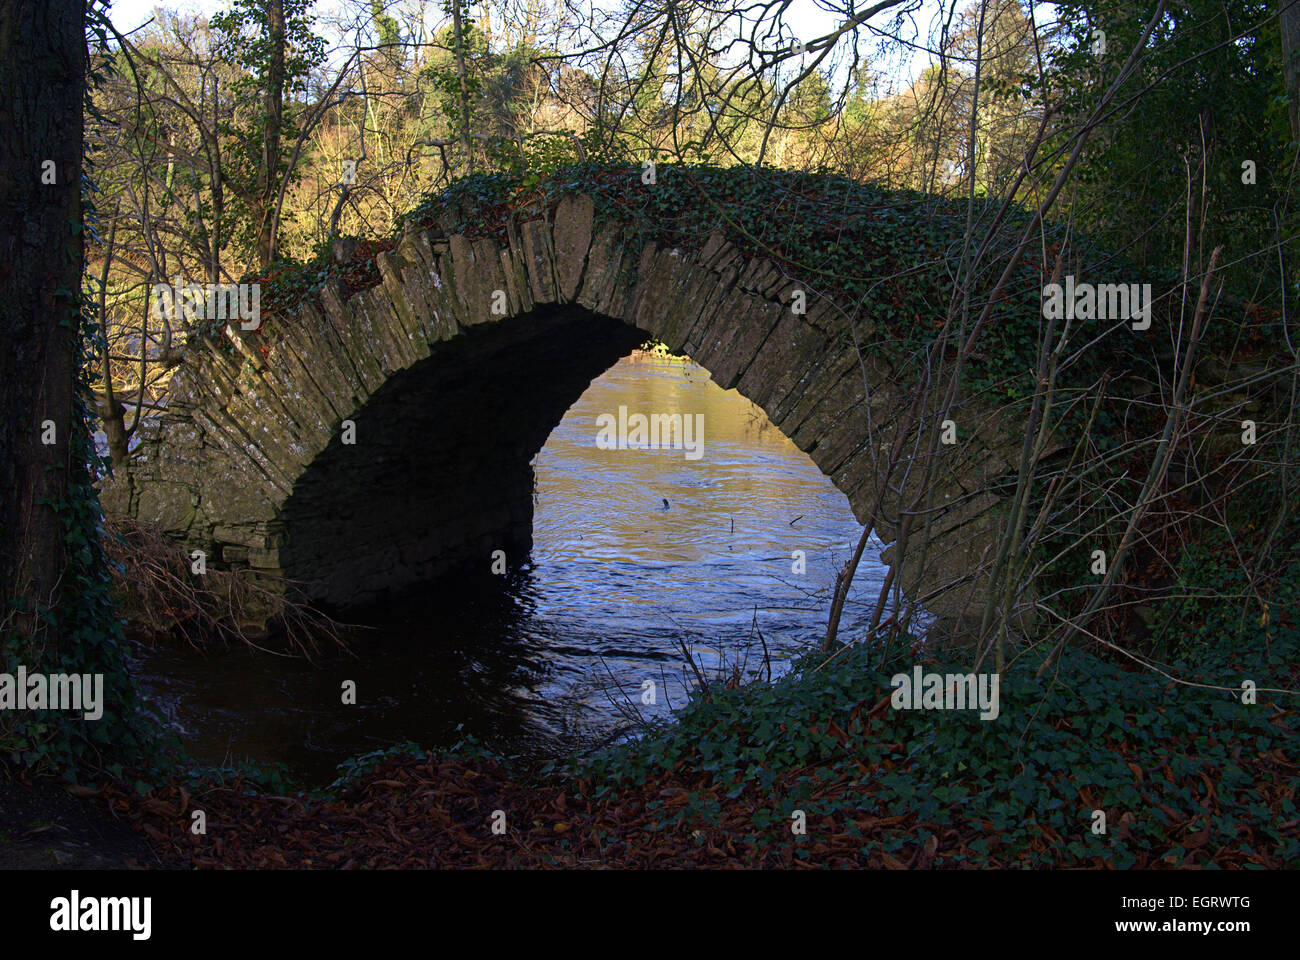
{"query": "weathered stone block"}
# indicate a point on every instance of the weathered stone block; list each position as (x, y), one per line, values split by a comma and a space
(170, 505)
(539, 260)
(572, 233)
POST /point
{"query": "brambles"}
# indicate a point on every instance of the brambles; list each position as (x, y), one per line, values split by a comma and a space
(158, 593)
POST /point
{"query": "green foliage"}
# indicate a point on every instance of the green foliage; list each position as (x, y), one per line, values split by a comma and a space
(467, 747)
(1218, 602)
(354, 768)
(254, 776)
(444, 75)
(1207, 96)
(247, 38)
(1086, 735)
(389, 33)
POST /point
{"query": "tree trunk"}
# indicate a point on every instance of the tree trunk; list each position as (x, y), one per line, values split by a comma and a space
(1289, 25)
(42, 81)
(464, 89)
(111, 411)
(274, 119)
(113, 415)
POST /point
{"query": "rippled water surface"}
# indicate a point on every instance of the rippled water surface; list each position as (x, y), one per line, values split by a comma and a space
(561, 652)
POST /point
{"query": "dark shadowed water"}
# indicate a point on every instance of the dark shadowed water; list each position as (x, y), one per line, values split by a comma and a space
(565, 650)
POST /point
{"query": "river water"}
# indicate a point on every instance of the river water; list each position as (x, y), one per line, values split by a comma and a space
(636, 552)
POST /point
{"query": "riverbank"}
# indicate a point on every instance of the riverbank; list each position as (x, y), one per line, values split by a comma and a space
(1090, 765)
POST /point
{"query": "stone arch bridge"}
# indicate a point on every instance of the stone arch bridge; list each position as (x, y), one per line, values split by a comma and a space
(450, 400)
